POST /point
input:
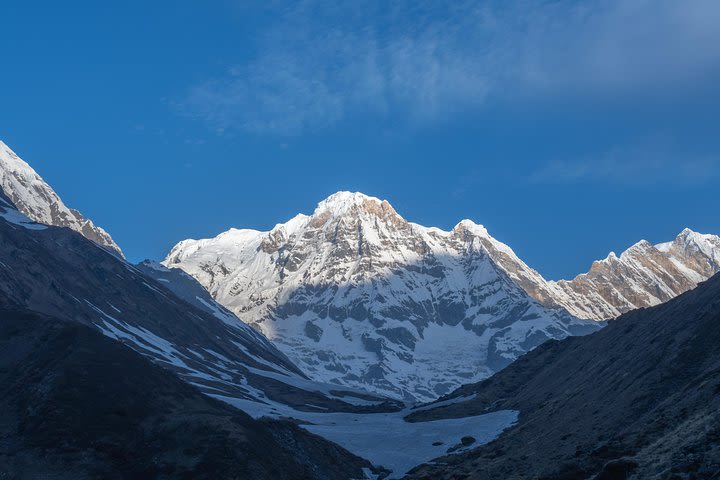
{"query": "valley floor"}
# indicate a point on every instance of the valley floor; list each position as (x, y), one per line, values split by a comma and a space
(387, 439)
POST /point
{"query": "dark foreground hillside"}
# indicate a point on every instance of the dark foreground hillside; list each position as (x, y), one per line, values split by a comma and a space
(639, 399)
(77, 405)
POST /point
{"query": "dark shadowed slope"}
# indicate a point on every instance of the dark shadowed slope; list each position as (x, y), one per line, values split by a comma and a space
(638, 399)
(78, 405)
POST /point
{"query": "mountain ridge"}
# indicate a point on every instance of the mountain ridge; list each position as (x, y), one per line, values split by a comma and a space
(589, 295)
(659, 272)
(37, 200)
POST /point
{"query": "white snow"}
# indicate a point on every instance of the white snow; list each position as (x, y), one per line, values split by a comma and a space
(339, 203)
(339, 392)
(386, 439)
(17, 218)
(390, 441)
(444, 403)
(154, 289)
(226, 317)
(161, 349)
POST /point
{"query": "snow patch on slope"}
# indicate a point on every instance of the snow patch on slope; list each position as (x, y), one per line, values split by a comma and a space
(16, 218)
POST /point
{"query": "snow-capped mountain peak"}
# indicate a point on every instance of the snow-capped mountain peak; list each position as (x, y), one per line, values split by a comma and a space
(706, 243)
(341, 202)
(357, 295)
(38, 201)
(471, 227)
(641, 276)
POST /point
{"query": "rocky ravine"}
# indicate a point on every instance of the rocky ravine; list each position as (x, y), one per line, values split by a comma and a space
(357, 295)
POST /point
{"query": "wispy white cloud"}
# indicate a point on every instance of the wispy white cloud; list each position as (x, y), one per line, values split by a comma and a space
(648, 164)
(422, 61)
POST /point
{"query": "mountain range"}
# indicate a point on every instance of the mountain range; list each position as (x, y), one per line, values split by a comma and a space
(644, 275)
(285, 354)
(357, 295)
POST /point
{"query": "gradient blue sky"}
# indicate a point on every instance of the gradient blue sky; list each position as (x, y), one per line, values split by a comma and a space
(567, 128)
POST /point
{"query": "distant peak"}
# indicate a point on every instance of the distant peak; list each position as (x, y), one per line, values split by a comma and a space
(641, 245)
(686, 232)
(640, 248)
(472, 227)
(10, 160)
(341, 202)
(345, 199)
(238, 233)
(688, 237)
(152, 264)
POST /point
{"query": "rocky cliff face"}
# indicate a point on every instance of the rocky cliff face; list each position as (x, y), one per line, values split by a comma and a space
(357, 295)
(38, 201)
(642, 276)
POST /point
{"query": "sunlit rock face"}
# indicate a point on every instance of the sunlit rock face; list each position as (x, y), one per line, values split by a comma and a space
(644, 275)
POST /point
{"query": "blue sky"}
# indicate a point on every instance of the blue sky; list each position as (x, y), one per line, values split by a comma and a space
(567, 128)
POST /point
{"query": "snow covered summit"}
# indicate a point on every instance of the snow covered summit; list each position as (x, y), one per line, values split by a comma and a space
(357, 295)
